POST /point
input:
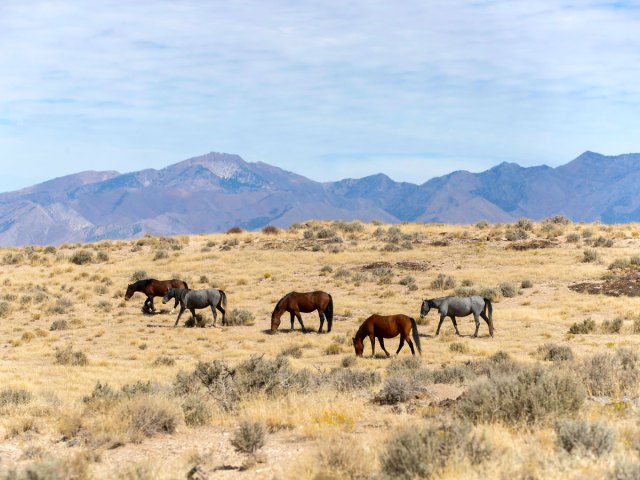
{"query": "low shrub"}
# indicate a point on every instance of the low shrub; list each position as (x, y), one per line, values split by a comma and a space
(148, 415)
(138, 275)
(625, 470)
(612, 326)
(573, 237)
(526, 284)
(443, 282)
(270, 230)
(240, 316)
(333, 349)
(346, 380)
(12, 396)
(508, 290)
(234, 230)
(196, 411)
(396, 389)
(527, 397)
(555, 353)
(249, 437)
(579, 435)
(604, 374)
(590, 255)
(60, 324)
(423, 450)
(164, 360)
(294, 351)
(458, 347)
(68, 356)
(81, 257)
(619, 263)
(586, 326)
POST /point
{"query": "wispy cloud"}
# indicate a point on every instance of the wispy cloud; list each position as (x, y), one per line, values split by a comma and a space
(126, 85)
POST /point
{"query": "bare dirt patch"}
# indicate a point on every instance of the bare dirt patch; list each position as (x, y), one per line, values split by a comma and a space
(626, 283)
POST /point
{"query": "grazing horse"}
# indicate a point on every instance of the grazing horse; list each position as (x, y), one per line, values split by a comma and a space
(380, 327)
(460, 307)
(153, 288)
(192, 299)
(296, 302)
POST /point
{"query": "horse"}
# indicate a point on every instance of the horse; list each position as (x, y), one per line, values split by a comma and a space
(153, 288)
(381, 326)
(192, 299)
(296, 302)
(460, 307)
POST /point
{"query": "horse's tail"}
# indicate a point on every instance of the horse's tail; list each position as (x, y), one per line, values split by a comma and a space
(416, 336)
(488, 308)
(223, 299)
(329, 312)
(186, 285)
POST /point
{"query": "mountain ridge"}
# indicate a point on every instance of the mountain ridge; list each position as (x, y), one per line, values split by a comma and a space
(216, 191)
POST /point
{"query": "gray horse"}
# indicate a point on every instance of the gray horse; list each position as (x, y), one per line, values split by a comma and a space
(193, 299)
(460, 307)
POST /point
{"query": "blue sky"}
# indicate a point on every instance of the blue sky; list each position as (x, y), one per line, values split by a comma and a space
(329, 89)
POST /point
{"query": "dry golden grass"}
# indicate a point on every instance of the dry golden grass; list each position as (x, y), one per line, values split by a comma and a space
(42, 286)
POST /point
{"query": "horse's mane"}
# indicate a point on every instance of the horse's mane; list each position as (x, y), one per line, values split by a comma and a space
(279, 303)
(143, 283)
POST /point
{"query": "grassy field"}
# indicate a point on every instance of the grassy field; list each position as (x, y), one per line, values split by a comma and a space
(94, 388)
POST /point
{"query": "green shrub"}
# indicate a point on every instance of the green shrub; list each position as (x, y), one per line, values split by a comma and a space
(586, 326)
(579, 435)
(527, 397)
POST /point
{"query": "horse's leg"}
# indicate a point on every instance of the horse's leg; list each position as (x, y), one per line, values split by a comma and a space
(299, 317)
(321, 315)
(442, 315)
(182, 309)
(477, 320)
(224, 319)
(401, 344)
(408, 337)
(373, 345)
(455, 325)
(175, 305)
(381, 340)
(150, 300)
(292, 319)
(489, 322)
(193, 317)
(213, 309)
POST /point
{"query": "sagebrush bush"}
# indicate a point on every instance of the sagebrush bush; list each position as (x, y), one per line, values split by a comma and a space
(148, 415)
(196, 411)
(443, 282)
(579, 435)
(458, 347)
(612, 326)
(604, 374)
(270, 230)
(249, 437)
(81, 257)
(590, 255)
(138, 275)
(293, 351)
(625, 470)
(333, 349)
(526, 284)
(422, 450)
(68, 356)
(12, 396)
(555, 353)
(396, 389)
(527, 397)
(164, 360)
(5, 308)
(351, 379)
(240, 316)
(51, 468)
(573, 237)
(60, 324)
(586, 326)
(508, 290)
(516, 234)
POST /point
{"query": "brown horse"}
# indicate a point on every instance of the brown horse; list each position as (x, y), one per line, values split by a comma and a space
(153, 288)
(380, 326)
(296, 302)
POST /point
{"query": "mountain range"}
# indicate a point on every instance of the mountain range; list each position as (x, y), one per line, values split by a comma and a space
(216, 191)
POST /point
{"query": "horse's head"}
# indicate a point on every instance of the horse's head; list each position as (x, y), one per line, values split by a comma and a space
(275, 322)
(424, 309)
(170, 294)
(130, 292)
(358, 345)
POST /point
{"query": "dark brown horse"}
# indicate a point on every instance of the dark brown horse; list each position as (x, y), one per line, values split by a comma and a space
(153, 288)
(296, 302)
(380, 327)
